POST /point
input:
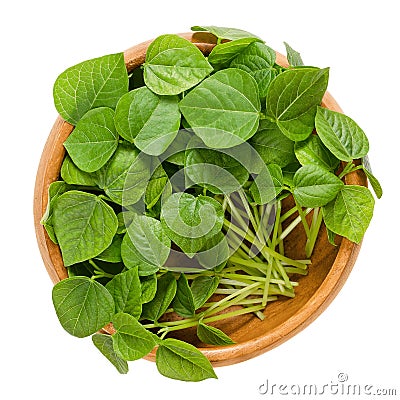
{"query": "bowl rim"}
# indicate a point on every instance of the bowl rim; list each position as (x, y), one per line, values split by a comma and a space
(50, 162)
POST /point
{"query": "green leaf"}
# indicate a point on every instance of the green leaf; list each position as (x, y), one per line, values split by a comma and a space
(293, 56)
(82, 305)
(215, 170)
(179, 360)
(94, 139)
(331, 236)
(224, 109)
(148, 120)
(288, 172)
(131, 340)
(84, 225)
(203, 287)
(313, 151)
(272, 145)
(183, 302)
(145, 245)
(149, 288)
(292, 98)
(215, 252)
(341, 135)
(125, 218)
(173, 65)
(259, 61)
(56, 189)
(112, 253)
(267, 185)
(99, 82)
(74, 176)
(299, 128)
(124, 178)
(166, 290)
(222, 54)
(156, 186)
(376, 186)
(126, 291)
(211, 335)
(189, 221)
(105, 345)
(350, 213)
(314, 186)
(225, 33)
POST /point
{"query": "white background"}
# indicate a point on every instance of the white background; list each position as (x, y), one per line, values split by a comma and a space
(358, 334)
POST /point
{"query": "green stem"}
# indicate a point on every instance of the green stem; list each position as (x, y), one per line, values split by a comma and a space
(303, 219)
(288, 214)
(265, 250)
(349, 166)
(266, 285)
(106, 198)
(227, 299)
(98, 272)
(292, 225)
(315, 226)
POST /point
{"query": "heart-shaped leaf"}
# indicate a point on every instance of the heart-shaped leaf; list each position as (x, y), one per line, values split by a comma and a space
(94, 139)
(224, 109)
(131, 341)
(313, 151)
(145, 245)
(84, 225)
(124, 178)
(99, 82)
(292, 99)
(189, 221)
(180, 360)
(173, 65)
(82, 305)
(148, 120)
(350, 213)
(259, 61)
(126, 291)
(222, 54)
(202, 289)
(341, 135)
(314, 186)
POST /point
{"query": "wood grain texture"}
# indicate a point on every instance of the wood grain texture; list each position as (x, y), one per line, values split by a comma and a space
(328, 272)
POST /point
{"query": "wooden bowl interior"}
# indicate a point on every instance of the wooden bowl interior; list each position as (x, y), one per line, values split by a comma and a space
(327, 273)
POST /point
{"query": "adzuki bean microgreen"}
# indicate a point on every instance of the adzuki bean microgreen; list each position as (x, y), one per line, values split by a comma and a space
(175, 187)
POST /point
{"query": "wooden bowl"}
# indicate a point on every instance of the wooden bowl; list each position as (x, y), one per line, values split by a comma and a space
(329, 269)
